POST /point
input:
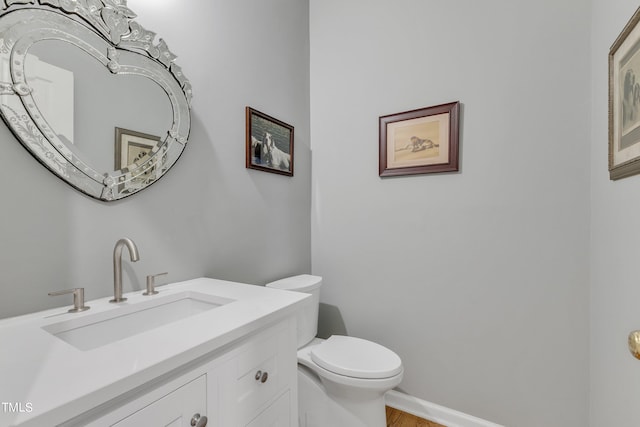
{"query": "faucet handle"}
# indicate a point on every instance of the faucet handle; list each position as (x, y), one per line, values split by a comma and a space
(151, 284)
(78, 299)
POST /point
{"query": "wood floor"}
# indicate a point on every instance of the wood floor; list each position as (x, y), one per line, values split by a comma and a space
(398, 418)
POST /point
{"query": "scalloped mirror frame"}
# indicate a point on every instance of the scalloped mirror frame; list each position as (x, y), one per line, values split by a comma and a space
(103, 29)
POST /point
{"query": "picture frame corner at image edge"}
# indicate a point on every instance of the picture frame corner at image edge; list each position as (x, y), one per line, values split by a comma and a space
(628, 164)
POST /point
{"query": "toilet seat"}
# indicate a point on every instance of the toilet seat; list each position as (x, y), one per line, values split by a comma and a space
(356, 358)
(363, 384)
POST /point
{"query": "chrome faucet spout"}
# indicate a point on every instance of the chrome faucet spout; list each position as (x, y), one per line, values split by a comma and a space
(117, 265)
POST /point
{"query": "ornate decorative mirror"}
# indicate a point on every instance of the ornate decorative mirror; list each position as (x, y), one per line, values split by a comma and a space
(90, 94)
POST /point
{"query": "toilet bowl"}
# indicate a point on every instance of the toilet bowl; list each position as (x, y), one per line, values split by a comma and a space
(341, 380)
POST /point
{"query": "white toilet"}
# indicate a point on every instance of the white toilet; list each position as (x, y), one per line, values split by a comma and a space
(341, 380)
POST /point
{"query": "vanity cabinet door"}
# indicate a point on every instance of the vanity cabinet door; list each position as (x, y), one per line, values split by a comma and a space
(262, 370)
(276, 415)
(176, 409)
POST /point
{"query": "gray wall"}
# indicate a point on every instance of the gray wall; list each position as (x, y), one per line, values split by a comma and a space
(209, 216)
(615, 207)
(479, 279)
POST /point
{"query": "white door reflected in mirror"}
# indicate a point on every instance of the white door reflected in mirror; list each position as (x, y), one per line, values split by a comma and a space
(53, 91)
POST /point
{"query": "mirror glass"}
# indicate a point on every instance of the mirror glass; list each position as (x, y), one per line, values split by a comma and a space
(84, 103)
(103, 106)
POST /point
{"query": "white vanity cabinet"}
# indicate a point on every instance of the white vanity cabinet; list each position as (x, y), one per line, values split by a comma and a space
(252, 383)
(223, 350)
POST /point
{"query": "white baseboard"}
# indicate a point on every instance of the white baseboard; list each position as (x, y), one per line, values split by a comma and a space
(432, 412)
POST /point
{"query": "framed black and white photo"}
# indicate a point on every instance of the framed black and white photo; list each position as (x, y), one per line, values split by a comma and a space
(269, 143)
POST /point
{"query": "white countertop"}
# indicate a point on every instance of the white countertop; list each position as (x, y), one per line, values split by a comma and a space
(58, 381)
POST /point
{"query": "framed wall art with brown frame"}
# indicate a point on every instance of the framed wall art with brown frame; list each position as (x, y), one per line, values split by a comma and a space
(269, 143)
(420, 141)
(624, 102)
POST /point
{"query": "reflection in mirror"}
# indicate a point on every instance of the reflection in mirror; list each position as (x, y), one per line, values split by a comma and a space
(91, 94)
(102, 102)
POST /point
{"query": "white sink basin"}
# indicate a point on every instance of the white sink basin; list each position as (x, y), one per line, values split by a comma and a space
(93, 331)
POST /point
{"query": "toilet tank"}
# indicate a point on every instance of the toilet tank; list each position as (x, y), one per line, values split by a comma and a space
(308, 315)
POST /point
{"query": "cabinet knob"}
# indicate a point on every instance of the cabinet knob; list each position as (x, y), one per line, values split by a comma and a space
(198, 421)
(262, 376)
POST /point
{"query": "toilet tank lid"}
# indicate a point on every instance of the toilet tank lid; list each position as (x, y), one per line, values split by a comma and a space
(301, 283)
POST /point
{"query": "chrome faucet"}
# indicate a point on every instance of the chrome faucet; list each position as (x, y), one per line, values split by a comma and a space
(117, 266)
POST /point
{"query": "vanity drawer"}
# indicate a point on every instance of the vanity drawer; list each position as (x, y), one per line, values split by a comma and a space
(176, 409)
